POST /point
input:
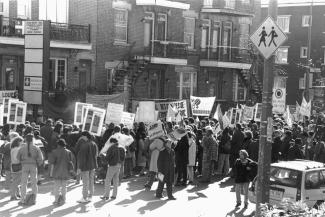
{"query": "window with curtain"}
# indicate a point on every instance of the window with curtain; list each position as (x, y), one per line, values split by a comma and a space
(230, 4)
(121, 25)
(186, 84)
(284, 22)
(205, 34)
(216, 35)
(1, 7)
(240, 89)
(207, 3)
(189, 28)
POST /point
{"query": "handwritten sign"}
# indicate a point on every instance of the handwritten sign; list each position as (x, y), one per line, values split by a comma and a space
(128, 119)
(155, 130)
(114, 113)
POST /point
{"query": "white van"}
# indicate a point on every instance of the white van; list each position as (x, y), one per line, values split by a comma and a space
(298, 180)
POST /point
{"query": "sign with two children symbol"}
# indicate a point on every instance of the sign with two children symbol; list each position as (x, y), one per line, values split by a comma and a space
(268, 37)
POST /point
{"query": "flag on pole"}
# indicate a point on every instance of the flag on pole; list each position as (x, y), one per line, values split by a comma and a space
(218, 115)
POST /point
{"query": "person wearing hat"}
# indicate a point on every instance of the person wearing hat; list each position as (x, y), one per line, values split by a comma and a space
(30, 157)
(295, 151)
(207, 161)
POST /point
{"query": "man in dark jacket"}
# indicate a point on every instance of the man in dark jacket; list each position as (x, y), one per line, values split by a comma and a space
(294, 151)
(46, 131)
(181, 152)
(286, 144)
(236, 143)
(165, 165)
(276, 146)
(87, 153)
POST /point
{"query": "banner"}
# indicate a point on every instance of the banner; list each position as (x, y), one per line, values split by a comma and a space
(202, 106)
(146, 112)
(162, 107)
(128, 119)
(279, 100)
(218, 115)
(17, 112)
(79, 112)
(305, 107)
(258, 112)
(248, 113)
(288, 117)
(177, 134)
(114, 113)
(100, 101)
(225, 120)
(155, 130)
(93, 121)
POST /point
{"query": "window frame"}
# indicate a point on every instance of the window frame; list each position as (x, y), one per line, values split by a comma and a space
(284, 17)
(28, 9)
(121, 26)
(302, 52)
(56, 60)
(230, 4)
(166, 24)
(207, 28)
(190, 46)
(303, 21)
(2, 7)
(276, 55)
(207, 3)
(235, 95)
(180, 83)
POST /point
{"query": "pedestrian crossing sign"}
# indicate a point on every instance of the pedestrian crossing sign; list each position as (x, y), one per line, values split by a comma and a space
(268, 37)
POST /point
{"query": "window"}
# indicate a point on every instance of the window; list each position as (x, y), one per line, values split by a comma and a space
(239, 89)
(121, 27)
(281, 56)
(226, 40)
(305, 20)
(54, 10)
(189, 28)
(230, 4)
(207, 3)
(216, 35)
(205, 37)
(303, 52)
(148, 21)
(312, 180)
(285, 177)
(1, 7)
(57, 73)
(24, 9)
(284, 22)
(247, 2)
(162, 27)
(187, 82)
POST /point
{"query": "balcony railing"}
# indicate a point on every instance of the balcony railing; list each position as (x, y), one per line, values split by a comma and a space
(246, 6)
(226, 54)
(14, 27)
(167, 49)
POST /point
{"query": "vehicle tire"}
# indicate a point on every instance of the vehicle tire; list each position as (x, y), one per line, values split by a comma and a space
(318, 203)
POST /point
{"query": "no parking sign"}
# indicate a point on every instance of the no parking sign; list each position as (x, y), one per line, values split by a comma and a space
(279, 100)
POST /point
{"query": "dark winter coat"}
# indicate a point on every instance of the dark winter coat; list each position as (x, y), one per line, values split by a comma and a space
(181, 150)
(62, 159)
(276, 147)
(243, 173)
(223, 140)
(87, 153)
(285, 147)
(237, 142)
(295, 153)
(252, 147)
(165, 163)
(319, 154)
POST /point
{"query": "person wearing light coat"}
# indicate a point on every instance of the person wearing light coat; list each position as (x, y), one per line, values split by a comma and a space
(191, 157)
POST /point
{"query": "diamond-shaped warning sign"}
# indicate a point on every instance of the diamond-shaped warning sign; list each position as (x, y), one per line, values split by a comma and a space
(268, 37)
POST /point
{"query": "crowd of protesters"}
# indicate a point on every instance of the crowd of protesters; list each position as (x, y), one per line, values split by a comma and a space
(206, 149)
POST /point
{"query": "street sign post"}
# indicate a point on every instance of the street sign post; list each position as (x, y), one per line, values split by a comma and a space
(268, 37)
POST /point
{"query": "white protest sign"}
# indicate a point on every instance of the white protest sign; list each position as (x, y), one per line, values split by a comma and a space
(162, 107)
(202, 106)
(5, 103)
(258, 112)
(79, 112)
(93, 121)
(279, 100)
(114, 113)
(16, 112)
(146, 111)
(155, 130)
(305, 108)
(128, 119)
(248, 113)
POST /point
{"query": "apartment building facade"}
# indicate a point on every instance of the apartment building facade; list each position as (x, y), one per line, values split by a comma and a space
(168, 49)
(70, 62)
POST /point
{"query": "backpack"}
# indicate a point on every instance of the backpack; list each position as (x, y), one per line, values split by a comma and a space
(30, 199)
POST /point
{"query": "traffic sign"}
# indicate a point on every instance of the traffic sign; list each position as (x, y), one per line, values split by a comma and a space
(268, 37)
(279, 100)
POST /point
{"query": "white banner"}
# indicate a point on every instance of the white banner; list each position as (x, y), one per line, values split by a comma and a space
(162, 107)
(305, 107)
(248, 113)
(94, 120)
(114, 113)
(128, 119)
(155, 130)
(279, 100)
(146, 112)
(79, 112)
(202, 106)
(17, 112)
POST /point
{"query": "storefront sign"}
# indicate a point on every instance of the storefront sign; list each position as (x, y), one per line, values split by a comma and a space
(8, 94)
(33, 83)
(34, 27)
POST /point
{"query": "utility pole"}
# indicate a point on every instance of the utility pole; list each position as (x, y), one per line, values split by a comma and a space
(309, 63)
(265, 146)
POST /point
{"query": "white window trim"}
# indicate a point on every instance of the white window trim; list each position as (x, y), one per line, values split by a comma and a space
(208, 43)
(287, 55)
(230, 4)
(285, 16)
(180, 86)
(303, 24)
(190, 33)
(236, 89)
(56, 70)
(126, 26)
(302, 52)
(166, 21)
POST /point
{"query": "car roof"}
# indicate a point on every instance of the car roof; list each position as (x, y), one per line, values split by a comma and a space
(300, 165)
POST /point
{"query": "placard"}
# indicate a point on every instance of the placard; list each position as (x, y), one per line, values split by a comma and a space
(146, 111)
(233, 117)
(248, 113)
(94, 120)
(5, 103)
(279, 100)
(79, 112)
(162, 107)
(155, 130)
(16, 112)
(238, 116)
(114, 113)
(128, 119)
(201, 106)
(8, 94)
(258, 112)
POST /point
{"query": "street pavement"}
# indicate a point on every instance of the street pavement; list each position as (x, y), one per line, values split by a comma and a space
(203, 200)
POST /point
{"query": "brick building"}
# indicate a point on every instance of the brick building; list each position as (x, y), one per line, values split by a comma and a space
(71, 60)
(291, 58)
(170, 49)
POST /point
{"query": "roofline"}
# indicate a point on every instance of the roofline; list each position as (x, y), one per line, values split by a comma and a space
(303, 4)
